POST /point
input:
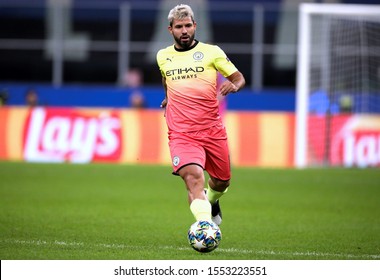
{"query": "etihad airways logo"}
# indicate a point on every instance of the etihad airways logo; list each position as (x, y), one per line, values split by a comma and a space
(184, 73)
(186, 70)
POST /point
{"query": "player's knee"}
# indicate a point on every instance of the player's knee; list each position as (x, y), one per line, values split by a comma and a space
(193, 177)
(193, 180)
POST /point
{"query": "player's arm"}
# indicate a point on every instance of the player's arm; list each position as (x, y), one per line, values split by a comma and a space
(234, 83)
(165, 101)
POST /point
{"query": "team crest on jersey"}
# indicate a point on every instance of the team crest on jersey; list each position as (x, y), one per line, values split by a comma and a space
(198, 55)
(175, 161)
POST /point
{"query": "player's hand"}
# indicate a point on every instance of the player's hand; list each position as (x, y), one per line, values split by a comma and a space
(227, 87)
(163, 103)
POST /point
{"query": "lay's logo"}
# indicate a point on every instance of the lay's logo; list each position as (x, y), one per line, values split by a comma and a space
(357, 143)
(57, 135)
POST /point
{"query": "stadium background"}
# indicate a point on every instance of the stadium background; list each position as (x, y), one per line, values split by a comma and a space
(86, 71)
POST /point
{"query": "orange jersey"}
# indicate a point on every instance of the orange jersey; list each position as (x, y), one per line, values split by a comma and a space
(191, 80)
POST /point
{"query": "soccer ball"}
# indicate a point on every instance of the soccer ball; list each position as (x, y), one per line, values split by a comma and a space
(204, 236)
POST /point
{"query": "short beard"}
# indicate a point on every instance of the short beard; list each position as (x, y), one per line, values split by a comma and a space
(185, 45)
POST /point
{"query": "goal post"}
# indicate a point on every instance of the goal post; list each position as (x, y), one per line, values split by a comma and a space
(338, 78)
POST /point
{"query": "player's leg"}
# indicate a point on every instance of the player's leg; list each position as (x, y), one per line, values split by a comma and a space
(215, 190)
(193, 177)
(188, 159)
(219, 168)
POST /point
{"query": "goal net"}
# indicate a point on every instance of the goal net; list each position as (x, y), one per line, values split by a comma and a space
(338, 86)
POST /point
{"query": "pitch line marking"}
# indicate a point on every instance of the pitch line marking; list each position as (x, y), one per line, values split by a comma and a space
(229, 250)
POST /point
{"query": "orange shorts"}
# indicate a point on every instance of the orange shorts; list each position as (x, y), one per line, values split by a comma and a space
(207, 148)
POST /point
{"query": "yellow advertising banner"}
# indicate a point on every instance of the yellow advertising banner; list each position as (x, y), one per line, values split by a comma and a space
(83, 135)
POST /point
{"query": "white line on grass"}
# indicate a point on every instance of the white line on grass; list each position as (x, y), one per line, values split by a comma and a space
(229, 250)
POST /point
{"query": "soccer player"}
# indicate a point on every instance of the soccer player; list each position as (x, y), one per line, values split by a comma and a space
(197, 136)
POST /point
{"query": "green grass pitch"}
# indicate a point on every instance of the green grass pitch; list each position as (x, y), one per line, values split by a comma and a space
(128, 212)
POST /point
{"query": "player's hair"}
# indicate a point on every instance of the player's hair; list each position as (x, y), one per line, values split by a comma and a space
(180, 12)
